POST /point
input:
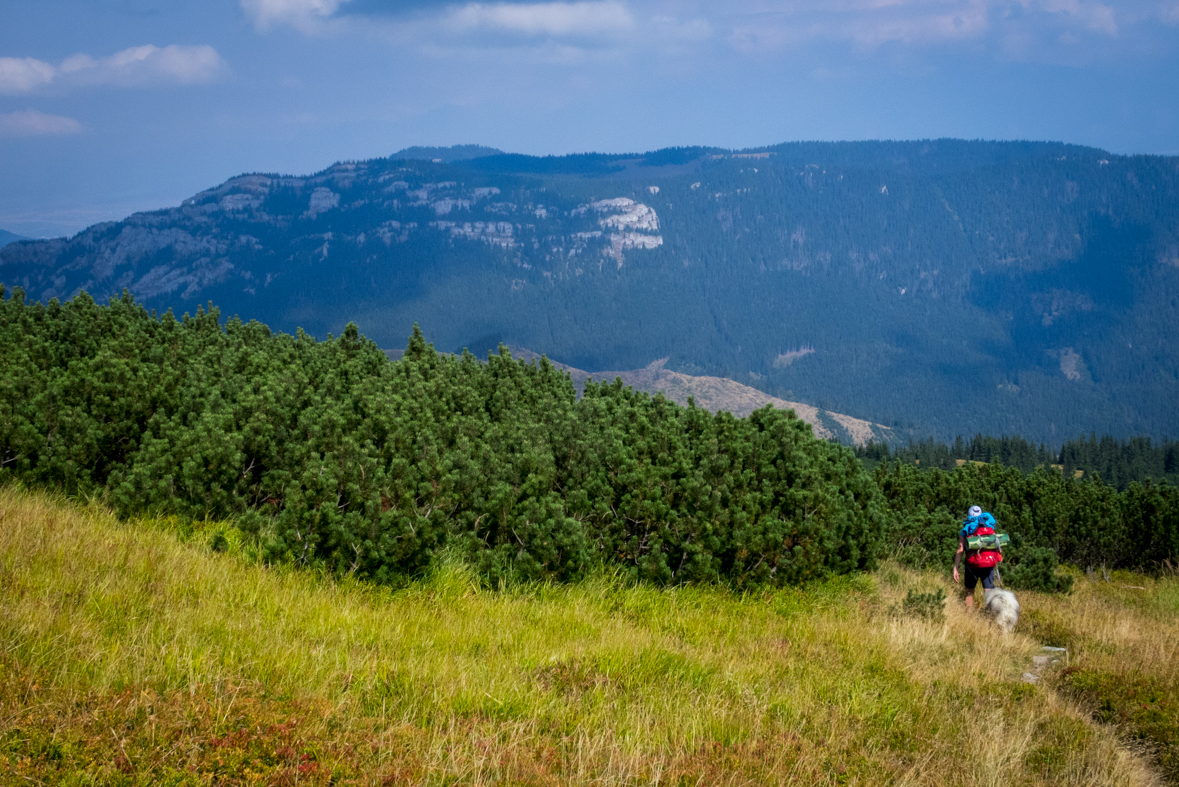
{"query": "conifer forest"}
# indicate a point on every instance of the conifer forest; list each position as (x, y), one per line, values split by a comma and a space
(332, 456)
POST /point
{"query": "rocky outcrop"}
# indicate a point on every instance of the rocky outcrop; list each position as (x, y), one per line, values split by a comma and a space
(250, 230)
(719, 393)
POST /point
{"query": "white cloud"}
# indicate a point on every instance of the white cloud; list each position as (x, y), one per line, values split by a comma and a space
(691, 30)
(31, 123)
(866, 23)
(566, 30)
(1171, 16)
(20, 75)
(147, 64)
(140, 65)
(930, 26)
(1101, 19)
(544, 19)
(1093, 16)
(304, 15)
(767, 25)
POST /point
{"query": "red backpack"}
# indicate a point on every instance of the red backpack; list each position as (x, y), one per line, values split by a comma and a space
(984, 558)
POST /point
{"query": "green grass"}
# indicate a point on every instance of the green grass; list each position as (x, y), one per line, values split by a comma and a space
(1123, 634)
(134, 653)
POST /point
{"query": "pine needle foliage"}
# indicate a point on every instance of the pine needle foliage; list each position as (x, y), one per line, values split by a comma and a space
(328, 455)
(333, 457)
(930, 605)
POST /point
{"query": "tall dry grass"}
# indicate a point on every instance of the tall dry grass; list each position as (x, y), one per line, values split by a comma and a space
(133, 655)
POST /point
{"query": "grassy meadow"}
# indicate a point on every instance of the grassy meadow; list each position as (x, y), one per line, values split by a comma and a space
(135, 653)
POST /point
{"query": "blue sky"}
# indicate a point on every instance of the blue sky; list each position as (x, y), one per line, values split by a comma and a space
(112, 106)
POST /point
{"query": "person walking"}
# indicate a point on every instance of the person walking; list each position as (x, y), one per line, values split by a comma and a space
(980, 563)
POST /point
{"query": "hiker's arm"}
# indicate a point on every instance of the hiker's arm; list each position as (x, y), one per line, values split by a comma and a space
(958, 556)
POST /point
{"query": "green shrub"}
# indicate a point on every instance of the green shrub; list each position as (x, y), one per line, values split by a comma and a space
(1036, 569)
(929, 606)
(329, 455)
(218, 542)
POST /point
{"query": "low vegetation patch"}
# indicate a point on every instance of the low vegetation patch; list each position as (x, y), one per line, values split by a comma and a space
(1122, 632)
(142, 653)
(333, 458)
(930, 605)
(1144, 706)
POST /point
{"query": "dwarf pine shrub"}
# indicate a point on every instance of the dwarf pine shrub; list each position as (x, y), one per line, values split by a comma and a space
(332, 456)
(329, 455)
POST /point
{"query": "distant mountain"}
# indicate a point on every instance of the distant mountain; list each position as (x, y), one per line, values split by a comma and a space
(7, 237)
(938, 287)
(452, 153)
(717, 393)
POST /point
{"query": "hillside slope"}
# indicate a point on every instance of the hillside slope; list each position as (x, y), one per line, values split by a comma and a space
(7, 237)
(718, 393)
(939, 287)
(132, 653)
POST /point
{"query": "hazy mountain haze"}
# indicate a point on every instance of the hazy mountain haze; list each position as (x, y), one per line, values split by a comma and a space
(7, 237)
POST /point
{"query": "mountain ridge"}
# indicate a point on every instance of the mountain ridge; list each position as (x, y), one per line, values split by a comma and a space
(7, 237)
(940, 286)
(447, 154)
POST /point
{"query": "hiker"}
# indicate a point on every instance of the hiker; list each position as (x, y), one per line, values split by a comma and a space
(980, 563)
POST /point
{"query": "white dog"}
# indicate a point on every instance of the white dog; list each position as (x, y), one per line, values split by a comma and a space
(1001, 604)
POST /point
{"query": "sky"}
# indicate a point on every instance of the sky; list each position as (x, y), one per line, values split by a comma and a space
(112, 106)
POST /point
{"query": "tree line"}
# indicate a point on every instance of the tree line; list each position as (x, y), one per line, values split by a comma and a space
(332, 456)
(1118, 463)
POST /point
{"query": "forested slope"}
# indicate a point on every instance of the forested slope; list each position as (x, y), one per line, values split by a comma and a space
(1118, 463)
(7, 237)
(331, 455)
(941, 287)
(325, 453)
